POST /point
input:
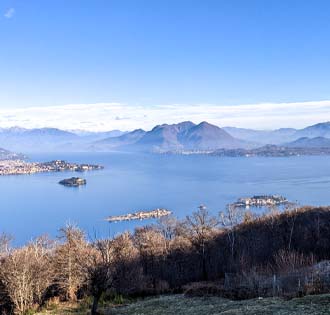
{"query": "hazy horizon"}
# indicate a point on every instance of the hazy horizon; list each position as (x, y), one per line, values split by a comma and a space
(117, 116)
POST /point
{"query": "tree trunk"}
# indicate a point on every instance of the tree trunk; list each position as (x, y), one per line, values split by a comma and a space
(204, 272)
(205, 276)
(95, 304)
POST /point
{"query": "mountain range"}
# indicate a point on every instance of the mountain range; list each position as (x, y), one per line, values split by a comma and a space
(184, 136)
(280, 136)
(187, 136)
(49, 139)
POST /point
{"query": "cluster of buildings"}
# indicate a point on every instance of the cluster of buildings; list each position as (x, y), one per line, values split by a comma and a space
(140, 215)
(261, 201)
(61, 165)
(18, 167)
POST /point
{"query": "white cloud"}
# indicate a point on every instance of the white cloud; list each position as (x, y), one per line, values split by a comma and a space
(9, 13)
(107, 116)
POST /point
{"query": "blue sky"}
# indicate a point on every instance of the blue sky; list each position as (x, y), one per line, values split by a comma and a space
(146, 53)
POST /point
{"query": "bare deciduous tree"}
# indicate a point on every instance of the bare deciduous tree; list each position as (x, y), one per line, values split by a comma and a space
(70, 261)
(150, 242)
(26, 274)
(202, 227)
(288, 261)
(100, 270)
(115, 265)
(229, 219)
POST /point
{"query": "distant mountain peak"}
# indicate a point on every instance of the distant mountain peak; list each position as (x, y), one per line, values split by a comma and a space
(185, 125)
(205, 124)
(189, 136)
(138, 130)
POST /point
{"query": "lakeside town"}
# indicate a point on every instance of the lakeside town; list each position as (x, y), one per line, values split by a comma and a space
(20, 167)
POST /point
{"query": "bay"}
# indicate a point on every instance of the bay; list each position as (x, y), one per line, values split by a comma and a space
(32, 205)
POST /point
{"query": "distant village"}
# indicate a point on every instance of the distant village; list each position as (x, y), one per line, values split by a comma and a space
(260, 201)
(20, 167)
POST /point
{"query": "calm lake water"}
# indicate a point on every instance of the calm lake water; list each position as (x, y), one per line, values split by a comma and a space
(32, 205)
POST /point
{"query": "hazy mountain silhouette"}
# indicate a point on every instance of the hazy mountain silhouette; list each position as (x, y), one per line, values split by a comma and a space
(121, 141)
(317, 130)
(165, 137)
(280, 136)
(182, 136)
(317, 142)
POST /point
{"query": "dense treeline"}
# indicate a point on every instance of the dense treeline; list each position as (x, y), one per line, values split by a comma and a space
(159, 258)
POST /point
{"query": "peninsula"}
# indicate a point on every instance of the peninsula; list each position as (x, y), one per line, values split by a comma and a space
(73, 182)
(20, 167)
(140, 215)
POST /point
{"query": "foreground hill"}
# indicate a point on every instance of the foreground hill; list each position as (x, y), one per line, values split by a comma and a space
(277, 254)
(180, 305)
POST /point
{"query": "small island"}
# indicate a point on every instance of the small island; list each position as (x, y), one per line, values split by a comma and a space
(140, 215)
(73, 182)
(260, 201)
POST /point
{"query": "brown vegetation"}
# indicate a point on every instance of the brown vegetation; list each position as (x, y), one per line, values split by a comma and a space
(238, 254)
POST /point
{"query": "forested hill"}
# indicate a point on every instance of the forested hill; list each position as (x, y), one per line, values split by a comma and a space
(166, 257)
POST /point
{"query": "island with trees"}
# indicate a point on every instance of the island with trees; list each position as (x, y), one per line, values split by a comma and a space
(73, 182)
(261, 201)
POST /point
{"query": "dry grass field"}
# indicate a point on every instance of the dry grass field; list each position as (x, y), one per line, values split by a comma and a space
(180, 305)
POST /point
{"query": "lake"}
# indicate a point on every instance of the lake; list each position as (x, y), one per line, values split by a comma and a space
(36, 204)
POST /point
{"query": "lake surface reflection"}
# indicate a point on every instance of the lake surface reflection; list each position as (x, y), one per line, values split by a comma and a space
(36, 204)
